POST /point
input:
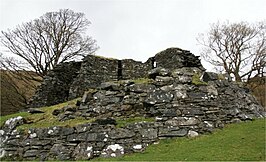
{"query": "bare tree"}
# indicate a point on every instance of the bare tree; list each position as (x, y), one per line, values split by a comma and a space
(37, 47)
(53, 38)
(239, 48)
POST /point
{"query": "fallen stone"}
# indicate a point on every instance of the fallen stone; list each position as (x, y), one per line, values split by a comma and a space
(12, 123)
(192, 134)
(106, 121)
(163, 80)
(34, 111)
(158, 72)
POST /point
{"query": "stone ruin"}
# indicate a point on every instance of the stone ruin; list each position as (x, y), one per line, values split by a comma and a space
(179, 96)
(70, 80)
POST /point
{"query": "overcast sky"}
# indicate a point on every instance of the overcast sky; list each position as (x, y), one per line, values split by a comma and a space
(138, 29)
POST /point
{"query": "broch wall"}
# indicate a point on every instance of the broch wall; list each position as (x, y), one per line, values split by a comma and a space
(71, 80)
(174, 99)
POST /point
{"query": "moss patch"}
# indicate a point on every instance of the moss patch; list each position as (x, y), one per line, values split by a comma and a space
(46, 119)
(122, 122)
(142, 81)
(196, 80)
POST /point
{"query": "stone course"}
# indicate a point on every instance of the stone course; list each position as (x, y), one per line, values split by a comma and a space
(177, 105)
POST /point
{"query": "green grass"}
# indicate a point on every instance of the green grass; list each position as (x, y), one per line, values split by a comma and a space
(46, 119)
(196, 80)
(236, 142)
(143, 81)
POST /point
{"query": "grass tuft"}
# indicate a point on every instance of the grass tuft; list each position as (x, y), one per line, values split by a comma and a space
(143, 81)
(196, 80)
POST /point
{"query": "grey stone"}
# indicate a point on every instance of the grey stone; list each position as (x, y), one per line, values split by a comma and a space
(100, 95)
(197, 95)
(184, 121)
(121, 133)
(95, 137)
(140, 88)
(69, 108)
(77, 137)
(244, 116)
(185, 70)
(159, 96)
(106, 121)
(13, 142)
(60, 152)
(34, 111)
(212, 90)
(149, 133)
(167, 88)
(37, 142)
(109, 86)
(172, 133)
(192, 112)
(12, 123)
(180, 94)
(192, 134)
(31, 153)
(210, 76)
(234, 111)
(184, 79)
(67, 131)
(158, 72)
(163, 80)
(114, 150)
(83, 152)
(57, 112)
(168, 112)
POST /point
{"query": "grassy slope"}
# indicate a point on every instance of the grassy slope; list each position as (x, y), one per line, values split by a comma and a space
(244, 141)
(46, 119)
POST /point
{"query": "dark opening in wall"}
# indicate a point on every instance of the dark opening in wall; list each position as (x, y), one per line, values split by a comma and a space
(119, 70)
(153, 63)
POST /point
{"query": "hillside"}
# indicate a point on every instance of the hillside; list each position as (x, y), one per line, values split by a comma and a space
(257, 85)
(15, 92)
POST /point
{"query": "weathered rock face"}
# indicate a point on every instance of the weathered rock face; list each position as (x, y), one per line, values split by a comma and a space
(71, 80)
(178, 107)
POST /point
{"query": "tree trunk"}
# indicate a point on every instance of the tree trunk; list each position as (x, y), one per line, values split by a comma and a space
(237, 77)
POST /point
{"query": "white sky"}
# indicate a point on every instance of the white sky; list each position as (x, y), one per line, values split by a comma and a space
(139, 29)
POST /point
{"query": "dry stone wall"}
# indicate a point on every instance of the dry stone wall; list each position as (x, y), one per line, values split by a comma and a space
(178, 105)
(71, 80)
(55, 87)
